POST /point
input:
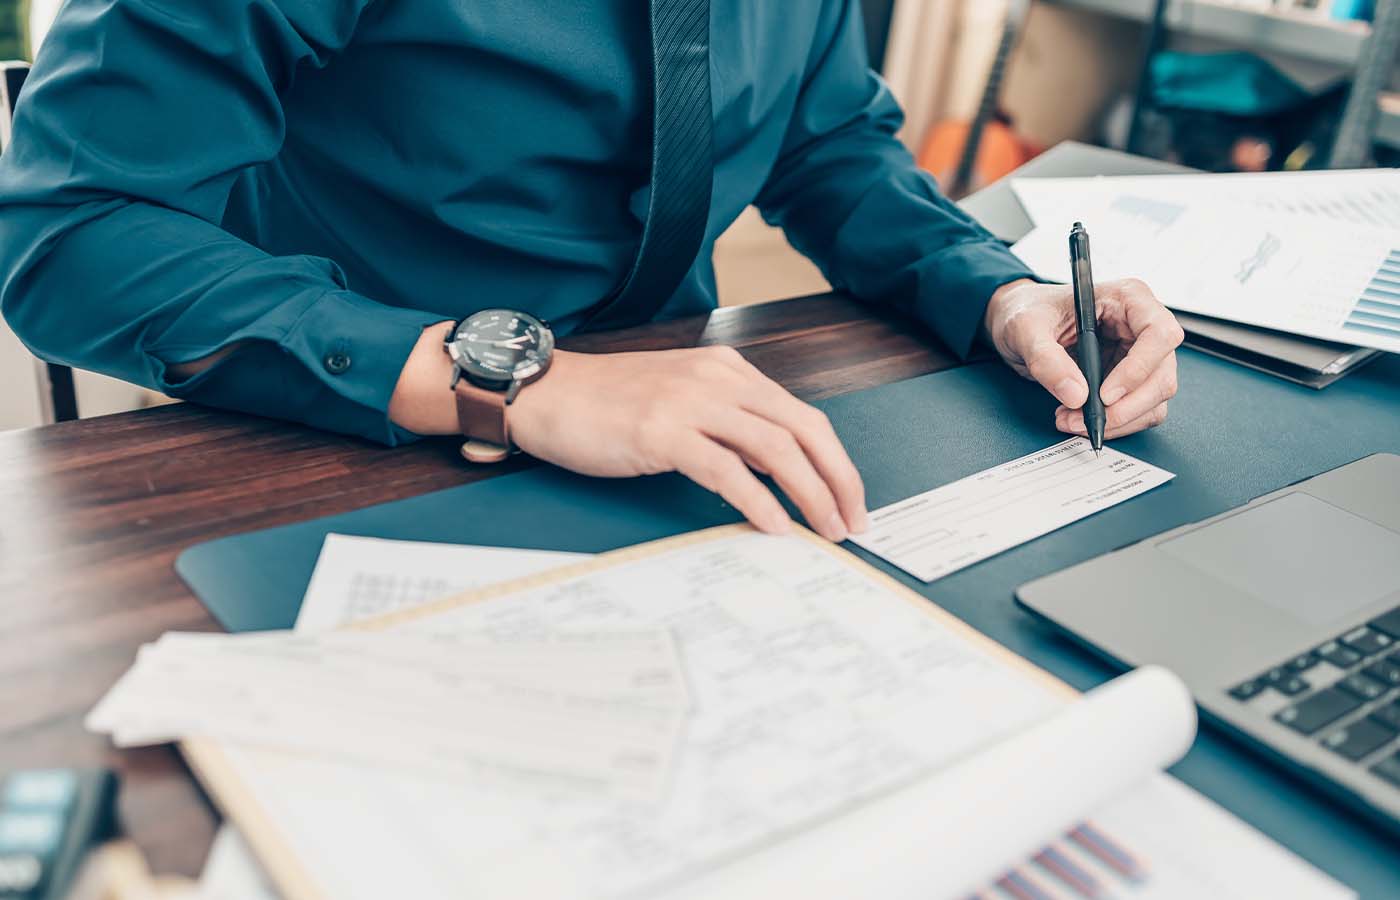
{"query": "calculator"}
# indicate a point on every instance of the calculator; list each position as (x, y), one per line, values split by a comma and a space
(49, 818)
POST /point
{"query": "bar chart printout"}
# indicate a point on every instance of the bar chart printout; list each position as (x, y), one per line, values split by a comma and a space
(1378, 311)
(1304, 275)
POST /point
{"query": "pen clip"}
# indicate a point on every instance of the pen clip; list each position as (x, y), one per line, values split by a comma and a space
(1082, 272)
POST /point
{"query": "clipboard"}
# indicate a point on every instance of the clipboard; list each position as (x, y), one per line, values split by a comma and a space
(211, 764)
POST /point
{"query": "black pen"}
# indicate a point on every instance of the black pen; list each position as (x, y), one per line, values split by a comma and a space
(1086, 324)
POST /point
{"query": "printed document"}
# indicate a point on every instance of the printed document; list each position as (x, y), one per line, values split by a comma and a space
(598, 709)
(1331, 279)
(824, 694)
(359, 577)
(951, 527)
(1367, 197)
(231, 872)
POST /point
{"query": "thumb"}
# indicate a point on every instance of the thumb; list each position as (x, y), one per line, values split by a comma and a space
(1051, 365)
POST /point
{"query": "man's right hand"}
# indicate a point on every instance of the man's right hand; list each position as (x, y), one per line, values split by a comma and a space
(706, 413)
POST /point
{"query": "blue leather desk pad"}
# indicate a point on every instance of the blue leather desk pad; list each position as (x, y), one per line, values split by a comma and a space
(1232, 435)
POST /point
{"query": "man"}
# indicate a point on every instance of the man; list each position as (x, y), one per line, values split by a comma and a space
(281, 206)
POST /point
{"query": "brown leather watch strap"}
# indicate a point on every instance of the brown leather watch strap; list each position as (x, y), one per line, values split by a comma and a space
(482, 416)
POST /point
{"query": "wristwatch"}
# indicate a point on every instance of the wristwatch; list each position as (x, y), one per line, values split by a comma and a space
(494, 353)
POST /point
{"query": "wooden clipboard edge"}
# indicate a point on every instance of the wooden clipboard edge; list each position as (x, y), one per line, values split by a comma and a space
(206, 758)
(212, 767)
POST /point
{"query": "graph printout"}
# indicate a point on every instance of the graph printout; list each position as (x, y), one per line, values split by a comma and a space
(1309, 276)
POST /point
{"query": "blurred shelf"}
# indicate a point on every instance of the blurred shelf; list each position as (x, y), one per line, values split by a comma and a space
(1301, 35)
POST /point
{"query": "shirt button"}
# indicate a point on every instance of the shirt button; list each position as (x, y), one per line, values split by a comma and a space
(337, 362)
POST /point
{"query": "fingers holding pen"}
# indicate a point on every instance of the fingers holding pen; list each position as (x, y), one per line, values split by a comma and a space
(1071, 421)
(1131, 412)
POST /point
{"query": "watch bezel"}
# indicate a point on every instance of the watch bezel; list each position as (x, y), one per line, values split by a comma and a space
(465, 366)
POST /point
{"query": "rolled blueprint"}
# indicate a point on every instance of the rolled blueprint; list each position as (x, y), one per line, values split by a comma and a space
(964, 826)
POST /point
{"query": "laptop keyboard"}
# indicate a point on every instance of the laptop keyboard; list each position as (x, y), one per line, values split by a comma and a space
(1345, 694)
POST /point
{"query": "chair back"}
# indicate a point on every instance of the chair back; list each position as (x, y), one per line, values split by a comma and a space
(58, 397)
(12, 75)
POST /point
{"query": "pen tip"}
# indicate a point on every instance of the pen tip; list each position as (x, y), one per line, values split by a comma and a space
(1097, 452)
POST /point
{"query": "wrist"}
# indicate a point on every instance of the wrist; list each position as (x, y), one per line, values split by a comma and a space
(997, 306)
(422, 401)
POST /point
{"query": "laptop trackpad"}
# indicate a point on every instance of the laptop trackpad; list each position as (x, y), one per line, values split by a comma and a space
(1299, 554)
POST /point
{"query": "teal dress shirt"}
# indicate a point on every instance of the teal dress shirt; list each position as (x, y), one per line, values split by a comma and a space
(321, 179)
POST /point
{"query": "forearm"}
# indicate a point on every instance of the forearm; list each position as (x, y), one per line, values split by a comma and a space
(850, 196)
(421, 403)
(166, 300)
(899, 242)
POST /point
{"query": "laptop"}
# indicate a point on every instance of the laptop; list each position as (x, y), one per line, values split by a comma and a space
(1282, 616)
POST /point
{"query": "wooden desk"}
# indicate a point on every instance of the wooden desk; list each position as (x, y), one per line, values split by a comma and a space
(93, 514)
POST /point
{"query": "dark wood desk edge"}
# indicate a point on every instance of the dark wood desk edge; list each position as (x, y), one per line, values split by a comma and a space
(94, 512)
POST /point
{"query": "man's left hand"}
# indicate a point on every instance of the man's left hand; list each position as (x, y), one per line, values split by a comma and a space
(1032, 327)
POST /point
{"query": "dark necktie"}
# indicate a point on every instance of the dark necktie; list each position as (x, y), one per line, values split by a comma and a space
(682, 165)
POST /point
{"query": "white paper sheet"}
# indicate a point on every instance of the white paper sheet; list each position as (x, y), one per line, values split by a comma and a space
(817, 692)
(231, 872)
(355, 578)
(1367, 197)
(1311, 275)
(358, 577)
(1200, 850)
(600, 710)
(1003, 802)
(951, 527)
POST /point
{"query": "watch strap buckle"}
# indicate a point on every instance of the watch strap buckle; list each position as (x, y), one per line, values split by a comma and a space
(484, 452)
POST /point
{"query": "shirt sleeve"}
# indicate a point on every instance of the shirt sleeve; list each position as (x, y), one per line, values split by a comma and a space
(849, 196)
(137, 119)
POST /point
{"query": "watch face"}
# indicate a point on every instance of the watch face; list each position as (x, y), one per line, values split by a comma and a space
(498, 346)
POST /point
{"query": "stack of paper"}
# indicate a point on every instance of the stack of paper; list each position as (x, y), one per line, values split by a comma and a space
(358, 578)
(599, 709)
(1314, 255)
(1368, 197)
(847, 739)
